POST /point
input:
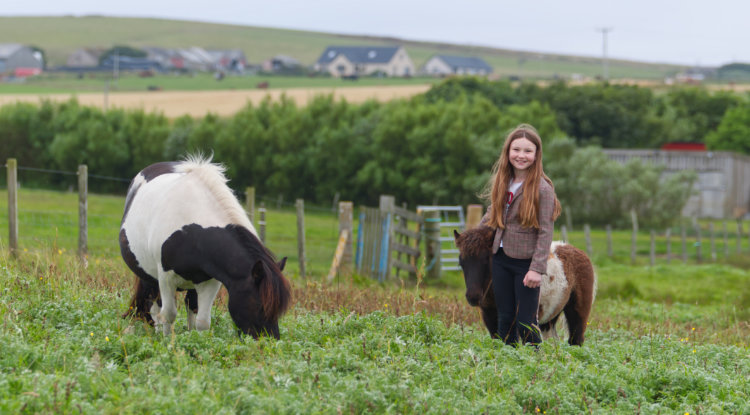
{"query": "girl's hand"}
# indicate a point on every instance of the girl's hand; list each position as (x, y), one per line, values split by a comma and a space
(532, 279)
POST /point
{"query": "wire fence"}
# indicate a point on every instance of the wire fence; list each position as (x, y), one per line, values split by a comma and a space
(48, 222)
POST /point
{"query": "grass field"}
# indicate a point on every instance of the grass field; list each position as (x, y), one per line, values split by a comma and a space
(61, 36)
(663, 339)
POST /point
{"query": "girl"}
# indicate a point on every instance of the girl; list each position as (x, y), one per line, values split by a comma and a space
(523, 208)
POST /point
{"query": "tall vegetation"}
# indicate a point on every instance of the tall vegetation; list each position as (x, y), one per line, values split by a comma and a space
(435, 148)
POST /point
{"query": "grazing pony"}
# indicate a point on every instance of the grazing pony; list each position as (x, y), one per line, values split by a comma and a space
(183, 229)
(568, 287)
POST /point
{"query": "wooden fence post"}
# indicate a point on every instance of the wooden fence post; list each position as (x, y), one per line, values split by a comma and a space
(250, 203)
(346, 221)
(683, 236)
(713, 240)
(652, 249)
(668, 235)
(300, 205)
(726, 238)
(587, 234)
(386, 206)
(83, 206)
(634, 219)
(432, 243)
(698, 253)
(739, 236)
(474, 215)
(12, 207)
(609, 241)
(262, 222)
(564, 233)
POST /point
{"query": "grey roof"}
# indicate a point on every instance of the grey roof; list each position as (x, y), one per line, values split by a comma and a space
(8, 49)
(360, 54)
(465, 62)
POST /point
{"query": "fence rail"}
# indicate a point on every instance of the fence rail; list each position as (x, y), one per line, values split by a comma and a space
(388, 241)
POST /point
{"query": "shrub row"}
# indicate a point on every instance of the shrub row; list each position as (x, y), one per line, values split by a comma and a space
(435, 148)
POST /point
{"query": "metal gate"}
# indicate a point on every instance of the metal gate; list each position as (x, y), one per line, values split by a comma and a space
(452, 217)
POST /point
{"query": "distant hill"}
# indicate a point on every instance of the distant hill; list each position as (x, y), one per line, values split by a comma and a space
(60, 36)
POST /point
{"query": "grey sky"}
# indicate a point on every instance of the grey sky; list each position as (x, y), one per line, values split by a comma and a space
(691, 32)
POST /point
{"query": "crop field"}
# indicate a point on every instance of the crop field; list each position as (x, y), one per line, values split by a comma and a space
(178, 96)
(672, 338)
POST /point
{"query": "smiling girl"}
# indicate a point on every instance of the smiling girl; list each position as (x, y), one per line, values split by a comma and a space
(523, 208)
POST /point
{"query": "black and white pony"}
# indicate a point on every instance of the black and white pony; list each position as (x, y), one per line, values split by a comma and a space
(183, 229)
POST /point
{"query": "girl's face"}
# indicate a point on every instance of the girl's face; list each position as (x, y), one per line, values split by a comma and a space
(522, 154)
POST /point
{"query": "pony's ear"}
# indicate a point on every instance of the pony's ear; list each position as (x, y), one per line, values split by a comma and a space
(282, 263)
(258, 272)
(456, 234)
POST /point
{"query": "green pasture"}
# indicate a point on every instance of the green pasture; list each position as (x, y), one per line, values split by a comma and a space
(61, 36)
(669, 338)
(51, 83)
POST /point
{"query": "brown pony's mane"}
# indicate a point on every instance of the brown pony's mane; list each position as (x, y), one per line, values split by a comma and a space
(476, 242)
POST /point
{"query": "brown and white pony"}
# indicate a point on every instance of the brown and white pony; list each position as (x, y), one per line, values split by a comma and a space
(568, 287)
(183, 229)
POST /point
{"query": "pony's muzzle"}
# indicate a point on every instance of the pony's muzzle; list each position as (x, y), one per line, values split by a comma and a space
(473, 299)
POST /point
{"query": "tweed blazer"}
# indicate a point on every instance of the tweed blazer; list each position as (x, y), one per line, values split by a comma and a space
(525, 243)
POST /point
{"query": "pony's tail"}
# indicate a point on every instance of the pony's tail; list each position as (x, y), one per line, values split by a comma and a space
(275, 293)
(143, 298)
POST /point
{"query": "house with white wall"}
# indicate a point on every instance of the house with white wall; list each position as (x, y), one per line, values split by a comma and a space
(349, 61)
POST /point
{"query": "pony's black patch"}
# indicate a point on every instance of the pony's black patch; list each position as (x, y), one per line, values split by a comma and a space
(130, 260)
(157, 169)
(198, 254)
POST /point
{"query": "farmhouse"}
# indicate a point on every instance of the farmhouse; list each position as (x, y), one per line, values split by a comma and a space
(232, 60)
(283, 64)
(353, 61)
(84, 58)
(169, 59)
(442, 65)
(722, 190)
(19, 60)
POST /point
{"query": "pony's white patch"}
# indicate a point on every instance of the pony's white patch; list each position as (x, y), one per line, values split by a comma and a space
(212, 175)
(554, 292)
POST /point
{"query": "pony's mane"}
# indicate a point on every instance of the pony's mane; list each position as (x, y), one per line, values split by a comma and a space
(274, 290)
(212, 175)
(476, 241)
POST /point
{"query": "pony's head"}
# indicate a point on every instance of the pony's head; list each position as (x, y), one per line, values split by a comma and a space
(257, 302)
(475, 251)
(261, 294)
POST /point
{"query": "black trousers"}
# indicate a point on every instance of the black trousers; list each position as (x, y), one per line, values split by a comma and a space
(517, 304)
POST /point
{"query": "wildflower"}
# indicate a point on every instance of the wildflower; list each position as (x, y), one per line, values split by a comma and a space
(91, 334)
(59, 251)
(106, 338)
(693, 329)
(693, 350)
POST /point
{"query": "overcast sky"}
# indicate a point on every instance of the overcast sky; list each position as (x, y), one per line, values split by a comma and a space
(691, 32)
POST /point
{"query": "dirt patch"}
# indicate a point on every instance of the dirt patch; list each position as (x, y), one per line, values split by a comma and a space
(223, 103)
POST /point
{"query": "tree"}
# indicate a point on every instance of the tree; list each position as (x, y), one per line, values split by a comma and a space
(733, 133)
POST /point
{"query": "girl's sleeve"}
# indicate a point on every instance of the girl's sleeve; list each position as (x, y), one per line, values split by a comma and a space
(486, 218)
(544, 237)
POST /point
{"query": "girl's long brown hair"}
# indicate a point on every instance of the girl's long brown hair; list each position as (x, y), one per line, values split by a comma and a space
(502, 173)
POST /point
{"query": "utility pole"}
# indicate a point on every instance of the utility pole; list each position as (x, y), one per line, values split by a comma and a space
(605, 62)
